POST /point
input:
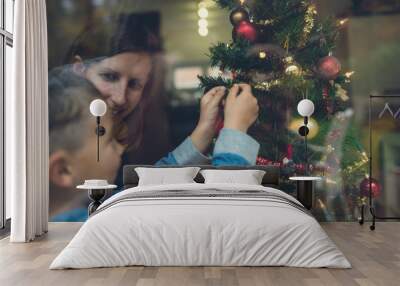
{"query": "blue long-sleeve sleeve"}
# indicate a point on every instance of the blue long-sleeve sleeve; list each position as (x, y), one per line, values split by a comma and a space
(231, 148)
(235, 148)
(185, 154)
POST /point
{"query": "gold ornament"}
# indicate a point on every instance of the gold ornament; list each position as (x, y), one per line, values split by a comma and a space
(288, 60)
(292, 70)
(313, 126)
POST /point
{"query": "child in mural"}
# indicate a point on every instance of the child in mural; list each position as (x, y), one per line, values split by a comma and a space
(72, 140)
(119, 62)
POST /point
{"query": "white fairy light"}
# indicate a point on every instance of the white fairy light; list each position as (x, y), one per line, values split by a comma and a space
(203, 12)
(203, 23)
(203, 31)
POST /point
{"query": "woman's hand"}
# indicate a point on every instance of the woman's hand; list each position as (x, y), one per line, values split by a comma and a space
(209, 110)
(241, 108)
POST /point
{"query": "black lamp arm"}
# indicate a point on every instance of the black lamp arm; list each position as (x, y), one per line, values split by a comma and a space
(100, 131)
(305, 144)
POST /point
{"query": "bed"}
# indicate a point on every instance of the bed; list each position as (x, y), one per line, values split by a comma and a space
(199, 224)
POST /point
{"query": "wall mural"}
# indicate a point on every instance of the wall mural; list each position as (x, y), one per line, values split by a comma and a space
(165, 71)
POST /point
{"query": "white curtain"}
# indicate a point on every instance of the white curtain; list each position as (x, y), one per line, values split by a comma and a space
(27, 124)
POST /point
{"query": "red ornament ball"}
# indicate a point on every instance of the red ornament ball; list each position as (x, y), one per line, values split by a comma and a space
(245, 30)
(329, 67)
(375, 187)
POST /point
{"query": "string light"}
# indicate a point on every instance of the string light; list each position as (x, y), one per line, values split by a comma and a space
(313, 9)
(267, 85)
(266, 22)
(288, 60)
(342, 22)
(349, 74)
(330, 148)
(364, 160)
(203, 23)
(203, 12)
(203, 31)
(262, 55)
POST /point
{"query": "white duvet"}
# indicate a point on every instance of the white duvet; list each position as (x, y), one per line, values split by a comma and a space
(204, 231)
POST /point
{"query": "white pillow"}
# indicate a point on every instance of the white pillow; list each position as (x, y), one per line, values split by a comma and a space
(248, 177)
(166, 176)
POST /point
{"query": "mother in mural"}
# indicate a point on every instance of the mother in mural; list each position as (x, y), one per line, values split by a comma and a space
(120, 62)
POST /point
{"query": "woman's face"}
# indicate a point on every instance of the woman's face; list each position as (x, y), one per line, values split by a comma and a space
(121, 79)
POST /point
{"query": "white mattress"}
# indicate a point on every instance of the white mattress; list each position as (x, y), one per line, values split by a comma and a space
(200, 231)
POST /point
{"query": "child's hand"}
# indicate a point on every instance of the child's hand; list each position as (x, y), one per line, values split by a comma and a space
(209, 109)
(210, 106)
(241, 108)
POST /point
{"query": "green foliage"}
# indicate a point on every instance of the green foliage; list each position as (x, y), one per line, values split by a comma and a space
(240, 56)
(208, 82)
(321, 42)
(289, 33)
(229, 4)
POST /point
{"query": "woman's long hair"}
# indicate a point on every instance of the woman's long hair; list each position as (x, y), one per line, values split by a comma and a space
(138, 33)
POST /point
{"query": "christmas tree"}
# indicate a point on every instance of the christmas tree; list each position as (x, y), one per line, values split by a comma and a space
(285, 52)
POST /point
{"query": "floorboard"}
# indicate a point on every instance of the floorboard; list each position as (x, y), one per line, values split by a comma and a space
(375, 257)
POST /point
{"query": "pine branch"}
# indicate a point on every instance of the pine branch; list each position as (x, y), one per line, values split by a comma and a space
(208, 82)
(228, 4)
(274, 10)
(240, 56)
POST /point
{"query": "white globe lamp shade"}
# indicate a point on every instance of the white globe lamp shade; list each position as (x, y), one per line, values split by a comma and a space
(98, 107)
(305, 108)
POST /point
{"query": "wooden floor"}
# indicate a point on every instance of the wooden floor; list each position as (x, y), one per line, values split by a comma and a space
(375, 257)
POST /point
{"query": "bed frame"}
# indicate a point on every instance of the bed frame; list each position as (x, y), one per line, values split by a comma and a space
(271, 177)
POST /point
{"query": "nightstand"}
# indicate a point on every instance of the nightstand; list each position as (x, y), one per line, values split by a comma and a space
(305, 190)
(97, 190)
